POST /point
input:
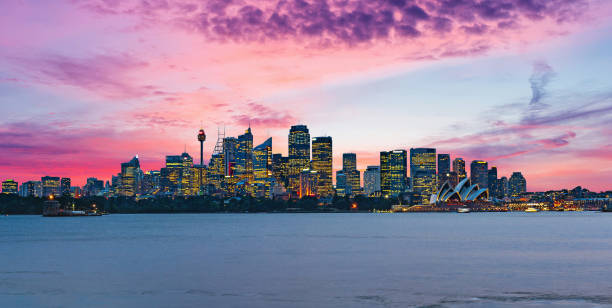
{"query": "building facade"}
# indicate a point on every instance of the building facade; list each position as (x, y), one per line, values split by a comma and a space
(423, 172)
(371, 180)
(322, 162)
(393, 172)
(479, 173)
(299, 155)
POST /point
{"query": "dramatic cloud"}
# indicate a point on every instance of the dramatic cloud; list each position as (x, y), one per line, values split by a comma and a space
(348, 22)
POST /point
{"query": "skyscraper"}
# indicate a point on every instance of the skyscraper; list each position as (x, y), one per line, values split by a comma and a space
(262, 161)
(423, 172)
(371, 180)
(443, 168)
(129, 177)
(244, 156)
(349, 166)
(230, 156)
(308, 183)
(10, 187)
(299, 155)
(65, 186)
(342, 187)
(322, 160)
(517, 185)
(503, 187)
(280, 169)
(393, 172)
(31, 189)
(459, 168)
(492, 182)
(170, 175)
(51, 186)
(479, 173)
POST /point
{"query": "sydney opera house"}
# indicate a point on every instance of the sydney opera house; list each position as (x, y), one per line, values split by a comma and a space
(464, 191)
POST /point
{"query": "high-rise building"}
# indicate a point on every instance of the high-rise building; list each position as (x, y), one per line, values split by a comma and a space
(130, 177)
(342, 186)
(459, 168)
(423, 172)
(65, 186)
(322, 160)
(492, 182)
(150, 182)
(443, 168)
(10, 187)
(349, 166)
(244, 156)
(262, 161)
(299, 155)
(308, 183)
(51, 186)
(479, 173)
(393, 172)
(170, 175)
(94, 186)
(517, 185)
(503, 187)
(280, 169)
(230, 156)
(31, 189)
(371, 180)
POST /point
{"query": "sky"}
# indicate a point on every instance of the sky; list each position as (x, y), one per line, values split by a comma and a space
(523, 84)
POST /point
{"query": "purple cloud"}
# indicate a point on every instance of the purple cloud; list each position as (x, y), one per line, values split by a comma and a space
(347, 22)
(102, 74)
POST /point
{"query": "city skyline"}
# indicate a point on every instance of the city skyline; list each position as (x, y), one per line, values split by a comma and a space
(91, 84)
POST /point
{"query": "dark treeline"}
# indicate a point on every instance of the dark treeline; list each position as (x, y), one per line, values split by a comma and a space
(12, 204)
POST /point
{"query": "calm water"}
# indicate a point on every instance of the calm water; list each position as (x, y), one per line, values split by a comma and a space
(308, 260)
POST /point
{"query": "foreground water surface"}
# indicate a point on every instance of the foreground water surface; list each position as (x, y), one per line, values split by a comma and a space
(307, 260)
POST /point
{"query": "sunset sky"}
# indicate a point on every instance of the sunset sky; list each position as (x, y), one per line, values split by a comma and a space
(523, 84)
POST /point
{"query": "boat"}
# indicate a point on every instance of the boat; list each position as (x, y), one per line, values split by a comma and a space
(463, 210)
(531, 210)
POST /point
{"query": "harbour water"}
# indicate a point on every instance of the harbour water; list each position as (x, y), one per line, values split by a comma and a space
(308, 260)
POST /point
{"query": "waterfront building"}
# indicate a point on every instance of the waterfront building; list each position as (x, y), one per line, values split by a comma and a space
(262, 161)
(517, 185)
(342, 186)
(244, 156)
(308, 183)
(31, 189)
(50, 185)
(130, 172)
(464, 191)
(371, 180)
(443, 168)
(503, 187)
(10, 187)
(65, 186)
(393, 172)
(492, 182)
(299, 155)
(349, 166)
(459, 168)
(479, 173)
(280, 169)
(322, 161)
(423, 172)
